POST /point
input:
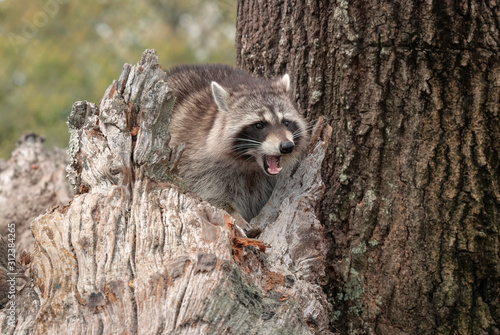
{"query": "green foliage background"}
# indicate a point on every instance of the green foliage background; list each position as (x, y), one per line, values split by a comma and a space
(56, 52)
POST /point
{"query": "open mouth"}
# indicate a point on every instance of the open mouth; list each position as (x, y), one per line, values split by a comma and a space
(272, 164)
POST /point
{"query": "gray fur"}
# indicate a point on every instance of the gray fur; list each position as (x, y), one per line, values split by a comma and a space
(214, 105)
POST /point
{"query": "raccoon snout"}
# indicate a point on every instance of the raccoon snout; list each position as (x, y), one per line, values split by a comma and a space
(286, 147)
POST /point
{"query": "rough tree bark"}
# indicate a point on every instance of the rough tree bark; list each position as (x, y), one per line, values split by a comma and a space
(411, 208)
(134, 253)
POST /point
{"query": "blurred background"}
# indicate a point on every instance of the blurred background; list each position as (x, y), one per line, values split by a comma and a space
(56, 52)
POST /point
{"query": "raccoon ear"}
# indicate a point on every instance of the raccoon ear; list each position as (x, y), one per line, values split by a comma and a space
(284, 82)
(220, 96)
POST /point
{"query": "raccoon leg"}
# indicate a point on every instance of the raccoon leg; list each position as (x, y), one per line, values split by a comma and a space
(241, 223)
(244, 228)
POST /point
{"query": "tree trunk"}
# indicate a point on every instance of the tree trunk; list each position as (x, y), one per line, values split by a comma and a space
(411, 208)
(134, 253)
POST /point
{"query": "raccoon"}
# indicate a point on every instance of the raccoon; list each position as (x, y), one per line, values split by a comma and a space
(239, 132)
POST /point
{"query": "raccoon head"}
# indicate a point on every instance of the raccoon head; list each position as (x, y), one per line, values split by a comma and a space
(262, 123)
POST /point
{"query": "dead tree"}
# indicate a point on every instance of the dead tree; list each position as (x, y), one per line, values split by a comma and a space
(411, 207)
(32, 180)
(135, 253)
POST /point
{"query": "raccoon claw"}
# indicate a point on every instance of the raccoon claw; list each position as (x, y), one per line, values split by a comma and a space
(272, 164)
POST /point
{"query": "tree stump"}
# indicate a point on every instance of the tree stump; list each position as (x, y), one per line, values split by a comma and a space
(135, 253)
(31, 180)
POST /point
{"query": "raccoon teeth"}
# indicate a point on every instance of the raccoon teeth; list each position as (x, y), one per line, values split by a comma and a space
(272, 164)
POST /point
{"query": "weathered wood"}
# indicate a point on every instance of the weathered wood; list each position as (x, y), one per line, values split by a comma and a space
(32, 180)
(134, 253)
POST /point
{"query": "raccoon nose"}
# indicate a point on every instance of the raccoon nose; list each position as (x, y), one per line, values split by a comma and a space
(286, 147)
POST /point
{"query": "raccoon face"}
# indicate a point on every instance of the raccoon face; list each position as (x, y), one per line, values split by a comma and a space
(266, 129)
(271, 144)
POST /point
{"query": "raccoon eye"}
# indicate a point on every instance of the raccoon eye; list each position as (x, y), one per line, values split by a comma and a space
(286, 123)
(259, 125)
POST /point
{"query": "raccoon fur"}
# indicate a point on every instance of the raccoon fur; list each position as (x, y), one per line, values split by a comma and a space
(239, 131)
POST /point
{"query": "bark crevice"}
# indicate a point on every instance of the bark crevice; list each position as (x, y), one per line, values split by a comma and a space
(412, 172)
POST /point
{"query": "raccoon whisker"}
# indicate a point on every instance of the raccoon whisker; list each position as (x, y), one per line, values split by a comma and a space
(244, 154)
(299, 133)
(244, 149)
(246, 140)
(309, 127)
(245, 146)
(248, 144)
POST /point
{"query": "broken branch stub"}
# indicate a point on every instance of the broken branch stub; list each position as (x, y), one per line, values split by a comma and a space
(104, 147)
(133, 253)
